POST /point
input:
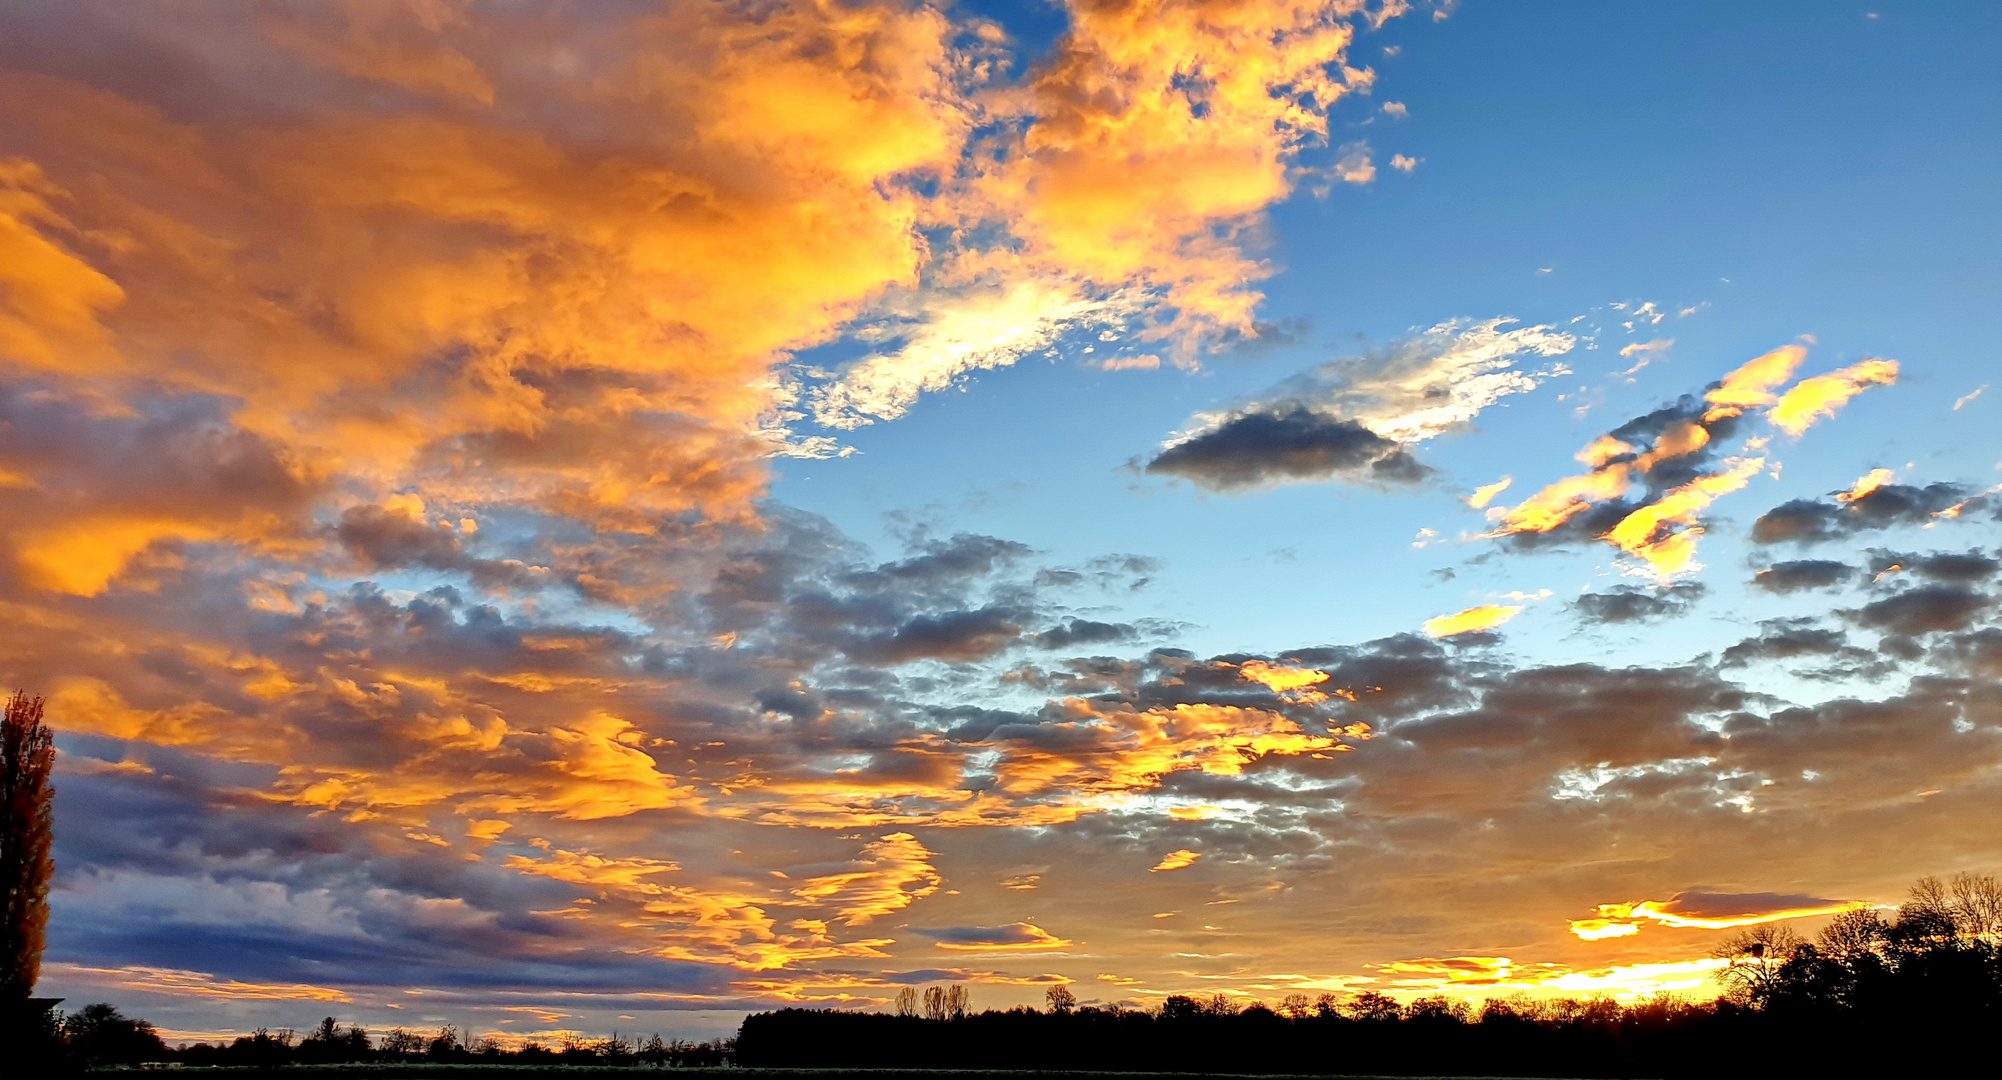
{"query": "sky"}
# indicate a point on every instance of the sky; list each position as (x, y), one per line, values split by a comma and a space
(585, 517)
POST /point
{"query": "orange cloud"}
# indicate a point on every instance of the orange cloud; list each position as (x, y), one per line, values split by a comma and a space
(1125, 180)
(692, 922)
(1133, 173)
(894, 873)
(483, 296)
(1481, 617)
(481, 305)
(1823, 395)
(1175, 860)
(50, 299)
(1109, 752)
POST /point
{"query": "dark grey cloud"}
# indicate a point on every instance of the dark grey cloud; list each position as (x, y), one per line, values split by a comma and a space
(1076, 631)
(935, 561)
(1791, 639)
(1590, 525)
(1288, 442)
(1628, 604)
(1585, 527)
(1807, 521)
(1800, 574)
(1948, 566)
(1013, 934)
(177, 868)
(176, 455)
(385, 539)
(954, 636)
(1977, 653)
(1351, 417)
(1923, 610)
(1643, 430)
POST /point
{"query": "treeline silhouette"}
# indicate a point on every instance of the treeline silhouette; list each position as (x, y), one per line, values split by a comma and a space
(98, 1035)
(1869, 996)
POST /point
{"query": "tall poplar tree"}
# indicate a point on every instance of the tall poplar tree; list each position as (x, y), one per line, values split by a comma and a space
(27, 754)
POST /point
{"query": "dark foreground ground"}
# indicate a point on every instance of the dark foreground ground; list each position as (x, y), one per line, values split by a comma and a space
(509, 1072)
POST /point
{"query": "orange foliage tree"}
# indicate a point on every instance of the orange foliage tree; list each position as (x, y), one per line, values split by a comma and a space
(27, 755)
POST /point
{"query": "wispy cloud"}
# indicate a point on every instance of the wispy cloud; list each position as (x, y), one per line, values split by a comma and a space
(949, 337)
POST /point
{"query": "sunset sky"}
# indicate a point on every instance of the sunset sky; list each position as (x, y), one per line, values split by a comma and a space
(563, 517)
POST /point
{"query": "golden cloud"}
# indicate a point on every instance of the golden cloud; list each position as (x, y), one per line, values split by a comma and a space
(1480, 977)
(1280, 679)
(1865, 484)
(894, 873)
(1702, 911)
(476, 305)
(178, 982)
(1486, 493)
(1479, 617)
(1824, 395)
(1751, 385)
(1664, 532)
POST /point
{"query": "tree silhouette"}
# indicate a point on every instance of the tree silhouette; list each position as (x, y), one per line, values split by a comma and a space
(1754, 957)
(26, 810)
(100, 1035)
(1370, 1005)
(330, 1042)
(946, 1002)
(1060, 998)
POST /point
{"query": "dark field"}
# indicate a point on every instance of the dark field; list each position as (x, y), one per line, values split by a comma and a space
(508, 1072)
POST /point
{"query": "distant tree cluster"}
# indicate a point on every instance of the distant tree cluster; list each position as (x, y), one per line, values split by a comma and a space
(98, 1035)
(940, 1002)
(1935, 965)
(331, 1043)
(1870, 995)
